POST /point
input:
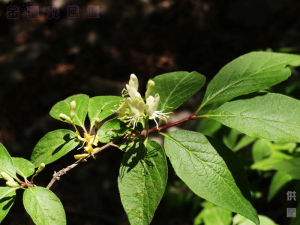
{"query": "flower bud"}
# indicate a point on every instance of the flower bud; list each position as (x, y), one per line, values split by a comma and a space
(64, 117)
(41, 168)
(80, 156)
(12, 184)
(72, 109)
(6, 176)
(150, 87)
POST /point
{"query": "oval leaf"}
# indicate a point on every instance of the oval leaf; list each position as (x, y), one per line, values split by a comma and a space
(53, 146)
(6, 164)
(23, 167)
(44, 207)
(102, 107)
(82, 104)
(249, 73)
(110, 130)
(210, 171)
(142, 181)
(176, 88)
(7, 199)
(271, 116)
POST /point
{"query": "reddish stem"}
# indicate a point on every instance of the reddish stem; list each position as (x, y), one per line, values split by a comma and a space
(155, 129)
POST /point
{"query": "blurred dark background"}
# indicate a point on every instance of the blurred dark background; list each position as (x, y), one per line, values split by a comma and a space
(46, 58)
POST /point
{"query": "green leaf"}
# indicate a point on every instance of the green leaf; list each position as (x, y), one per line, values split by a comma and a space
(110, 130)
(244, 142)
(210, 170)
(249, 73)
(142, 181)
(23, 167)
(176, 88)
(53, 146)
(290, 166)
(239, 220)
(213, 215)
(260, 150)
(279, 180)
(6, 164)
(102, 107)
(208, 126)
(7, 198)
(231, 139)
(82, 104)
(268, 163)
(271, 116)
(44, 207)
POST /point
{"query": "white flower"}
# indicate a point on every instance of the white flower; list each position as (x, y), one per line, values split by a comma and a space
(133, 86)
(134, 109)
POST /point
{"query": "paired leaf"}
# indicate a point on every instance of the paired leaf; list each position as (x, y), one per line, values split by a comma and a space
(142, 181)
(176, 88)
(271, 116)
(212, 215)
(53, 146)
(249, 73)
(102, 107)
(82, 104)
(210, 170)
(43, 206)
(7, 198)
(6, 164)
(23, 167)
(279, 180)
(110, 130)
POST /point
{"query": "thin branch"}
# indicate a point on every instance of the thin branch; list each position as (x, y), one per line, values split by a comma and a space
(157, 129)
(57, 175)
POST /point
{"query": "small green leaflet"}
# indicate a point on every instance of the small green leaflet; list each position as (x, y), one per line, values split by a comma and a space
(210, 170)
(82, 103)
(249, 73)
(271, 116)
(176, 88)
(101, 107)
(53, 146)
(7, 199)
(44, 207)
(142, 181)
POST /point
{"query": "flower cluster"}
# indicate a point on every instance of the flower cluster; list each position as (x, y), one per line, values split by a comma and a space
(133, 109)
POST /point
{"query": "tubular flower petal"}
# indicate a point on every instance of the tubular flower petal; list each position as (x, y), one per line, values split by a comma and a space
(132, 87)
(134, 109)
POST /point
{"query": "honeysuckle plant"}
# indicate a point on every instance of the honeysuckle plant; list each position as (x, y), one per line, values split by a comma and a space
(126, 122)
